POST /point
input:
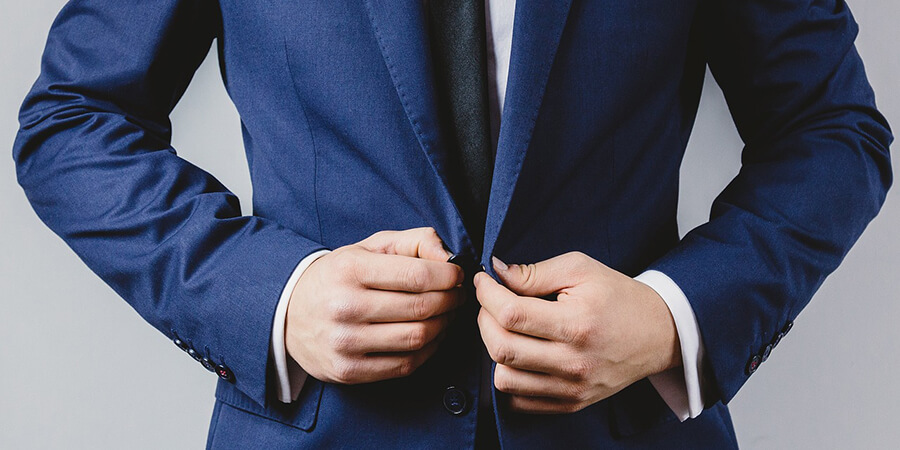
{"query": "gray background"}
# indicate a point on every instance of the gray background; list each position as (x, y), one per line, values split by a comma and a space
(80, 369)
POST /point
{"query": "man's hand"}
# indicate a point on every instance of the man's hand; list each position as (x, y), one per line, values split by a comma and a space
(604, 332)
(373, 310)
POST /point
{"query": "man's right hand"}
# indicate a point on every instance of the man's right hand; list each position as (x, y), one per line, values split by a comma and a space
(373, 310)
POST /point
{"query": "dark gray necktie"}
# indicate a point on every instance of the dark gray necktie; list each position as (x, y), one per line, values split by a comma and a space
(457, 30)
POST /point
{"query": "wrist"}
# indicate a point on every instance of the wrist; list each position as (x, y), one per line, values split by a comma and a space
(289, 376)
(664, 350)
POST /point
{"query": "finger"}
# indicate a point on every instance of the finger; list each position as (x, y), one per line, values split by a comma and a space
(526, 315)
(518, 350)
(534, 384)
(545, 277)
(395, 337)
(416, 242)
(392, 306)
(377, 367)
(404, 273)
(543, 405)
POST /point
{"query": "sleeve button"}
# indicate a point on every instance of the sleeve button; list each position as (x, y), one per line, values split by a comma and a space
(208, 364)
(777, 339)
(766, 352)
(753, 364)
(181, 344)
(787, 327)
(224, 372)
(195, 355)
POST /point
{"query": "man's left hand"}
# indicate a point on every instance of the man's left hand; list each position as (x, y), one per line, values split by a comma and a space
(604, 332)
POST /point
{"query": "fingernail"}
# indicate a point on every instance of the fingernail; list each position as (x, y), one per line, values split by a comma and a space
(446, 249)
(499, 265)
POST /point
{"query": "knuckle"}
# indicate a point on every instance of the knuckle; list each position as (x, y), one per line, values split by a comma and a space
(529, 275)
(510, 316)
(417, 338)
(345, 264)
(342, 340)
(578, 332)
(345, 371)
(575, 392)
(416, 277)
(573, 407)
(428, 232)
(580, 262)
(406, 366)
(420, 309)
(579, 257)
(504, 354)
(577, 369)
(342, 310)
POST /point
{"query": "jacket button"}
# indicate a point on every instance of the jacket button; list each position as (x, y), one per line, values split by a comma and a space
(224, 372)
(468, 264)
(455, 400)
(766, 352)
(753, 364)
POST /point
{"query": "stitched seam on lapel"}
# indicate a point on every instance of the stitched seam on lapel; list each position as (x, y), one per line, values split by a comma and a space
(396, 79)
(401, 92)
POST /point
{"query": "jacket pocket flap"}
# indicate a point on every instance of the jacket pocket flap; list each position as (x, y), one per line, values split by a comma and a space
(300, 414)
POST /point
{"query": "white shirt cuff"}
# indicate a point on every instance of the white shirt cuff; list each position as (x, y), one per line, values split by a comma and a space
(680, 389)
(290, 377)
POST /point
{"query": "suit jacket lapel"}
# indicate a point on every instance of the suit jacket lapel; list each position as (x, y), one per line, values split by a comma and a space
(400, 29)
(536, 34)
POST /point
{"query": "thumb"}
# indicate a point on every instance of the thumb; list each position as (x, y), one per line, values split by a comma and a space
(539, 279)
(416, 242)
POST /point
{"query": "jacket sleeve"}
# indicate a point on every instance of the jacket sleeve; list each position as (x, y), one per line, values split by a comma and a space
(93, 155)
(815, 170)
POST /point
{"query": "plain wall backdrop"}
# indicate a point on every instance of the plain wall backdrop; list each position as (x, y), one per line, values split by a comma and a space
(80, 369)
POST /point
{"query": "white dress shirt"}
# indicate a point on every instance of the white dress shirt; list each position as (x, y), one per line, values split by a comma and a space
(678, 387)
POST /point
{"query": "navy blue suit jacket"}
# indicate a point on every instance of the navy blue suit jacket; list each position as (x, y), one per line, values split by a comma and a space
(338, 116)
